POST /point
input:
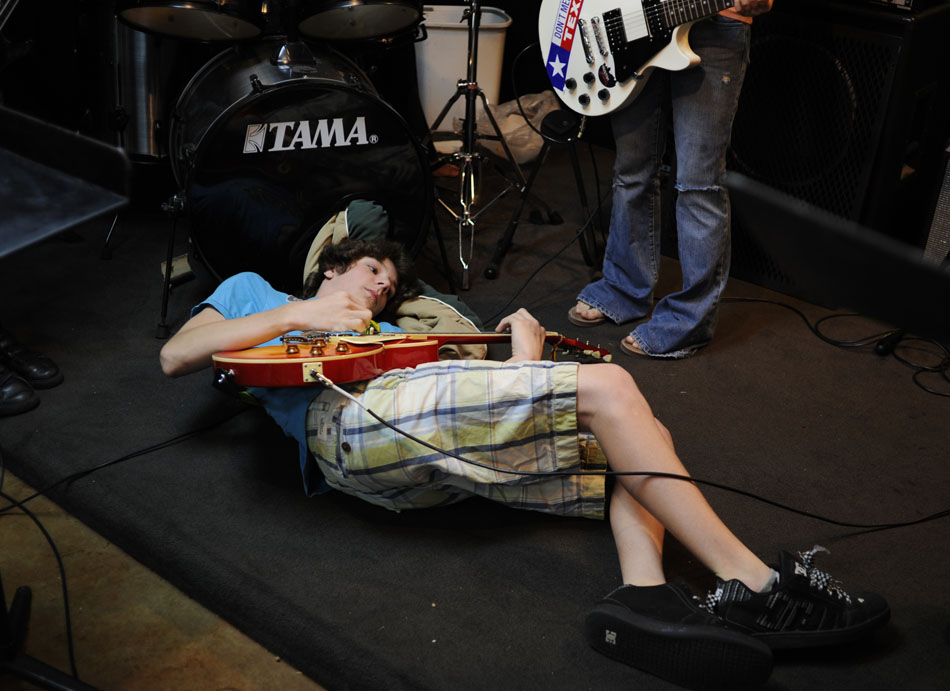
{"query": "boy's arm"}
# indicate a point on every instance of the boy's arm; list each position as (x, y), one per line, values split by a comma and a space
(208, 332)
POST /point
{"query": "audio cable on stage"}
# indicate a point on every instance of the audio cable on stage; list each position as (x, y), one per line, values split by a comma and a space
(892, 342)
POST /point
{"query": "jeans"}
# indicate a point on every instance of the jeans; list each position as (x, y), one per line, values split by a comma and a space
(704, 99)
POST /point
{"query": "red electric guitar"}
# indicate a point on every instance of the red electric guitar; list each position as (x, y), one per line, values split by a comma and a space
(344, 358)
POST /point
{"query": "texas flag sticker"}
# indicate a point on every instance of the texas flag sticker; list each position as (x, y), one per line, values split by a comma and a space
(565, 28)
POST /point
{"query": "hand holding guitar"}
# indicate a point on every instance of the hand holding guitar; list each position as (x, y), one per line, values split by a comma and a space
(527, 336)
(208, 332)
(752, 8)
(335, 313)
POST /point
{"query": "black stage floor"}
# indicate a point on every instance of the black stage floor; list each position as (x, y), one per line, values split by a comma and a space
(478, 596)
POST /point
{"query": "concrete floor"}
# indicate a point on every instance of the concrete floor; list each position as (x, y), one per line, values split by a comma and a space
(131, 629)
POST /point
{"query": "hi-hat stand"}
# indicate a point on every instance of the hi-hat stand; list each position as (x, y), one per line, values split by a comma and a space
(468, 156)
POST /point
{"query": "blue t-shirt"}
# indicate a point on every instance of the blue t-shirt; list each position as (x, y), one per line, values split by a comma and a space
(245, 294)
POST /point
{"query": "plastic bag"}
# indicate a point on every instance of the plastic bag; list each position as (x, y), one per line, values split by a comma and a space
(525, 144)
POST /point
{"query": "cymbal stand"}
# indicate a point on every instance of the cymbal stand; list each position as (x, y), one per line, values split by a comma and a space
(468, 157)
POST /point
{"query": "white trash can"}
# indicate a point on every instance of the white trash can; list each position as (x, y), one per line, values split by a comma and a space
(442, 59)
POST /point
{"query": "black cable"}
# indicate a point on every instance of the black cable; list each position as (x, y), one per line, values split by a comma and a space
(639, 473)
(884, 343)
(135, 454)
(517, 92)
(504, 308)
(62, 575)
(20, 504)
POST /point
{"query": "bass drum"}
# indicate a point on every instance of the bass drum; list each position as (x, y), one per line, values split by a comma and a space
(266, 152)
(349, 20)
(202, 20)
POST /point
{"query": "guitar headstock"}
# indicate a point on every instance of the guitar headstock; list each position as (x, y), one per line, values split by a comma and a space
(579, 349)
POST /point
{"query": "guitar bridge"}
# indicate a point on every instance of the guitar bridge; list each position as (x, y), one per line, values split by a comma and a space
(317, 340)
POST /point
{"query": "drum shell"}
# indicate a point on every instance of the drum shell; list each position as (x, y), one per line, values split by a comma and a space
(348, 20)
(267, 153)
(202, 20)
(148, 73)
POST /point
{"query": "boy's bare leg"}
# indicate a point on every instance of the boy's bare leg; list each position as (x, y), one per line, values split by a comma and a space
(639, 540)
(610, 405)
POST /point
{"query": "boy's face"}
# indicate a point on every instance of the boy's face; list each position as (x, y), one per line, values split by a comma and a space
(368, 280)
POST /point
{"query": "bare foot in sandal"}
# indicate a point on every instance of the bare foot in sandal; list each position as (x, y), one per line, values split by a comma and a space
(583, 314)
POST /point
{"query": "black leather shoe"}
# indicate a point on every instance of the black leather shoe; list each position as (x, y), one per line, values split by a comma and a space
(38, 370)
(16, 395)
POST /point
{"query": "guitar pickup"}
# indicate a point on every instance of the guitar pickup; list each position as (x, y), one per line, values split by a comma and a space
(599, 37)
(585, 41)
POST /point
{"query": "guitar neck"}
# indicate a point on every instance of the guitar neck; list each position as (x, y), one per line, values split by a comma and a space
(676, 12)
(464, 338)
(559, 341)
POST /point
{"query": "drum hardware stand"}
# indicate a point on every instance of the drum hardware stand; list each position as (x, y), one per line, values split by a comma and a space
(175, 208)
(467, 154)
(106, 252)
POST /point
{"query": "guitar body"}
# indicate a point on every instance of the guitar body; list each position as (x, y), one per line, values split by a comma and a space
(343, 358)
(366, 357)
(600, 53)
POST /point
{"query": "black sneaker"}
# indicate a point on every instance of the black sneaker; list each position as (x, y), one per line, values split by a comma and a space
(805, 608)
(663, 630)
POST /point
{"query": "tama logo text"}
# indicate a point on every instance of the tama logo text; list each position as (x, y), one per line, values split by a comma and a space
(306, 134)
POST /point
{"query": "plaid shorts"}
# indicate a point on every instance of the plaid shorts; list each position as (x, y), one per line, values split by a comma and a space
(520, 417)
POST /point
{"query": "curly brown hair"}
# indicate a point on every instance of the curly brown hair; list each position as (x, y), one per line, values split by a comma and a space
(342, 255)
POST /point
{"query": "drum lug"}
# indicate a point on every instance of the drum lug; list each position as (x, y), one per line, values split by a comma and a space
(256, 85)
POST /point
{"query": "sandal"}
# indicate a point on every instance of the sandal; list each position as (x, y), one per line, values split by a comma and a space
(631, 347)
(578, 320)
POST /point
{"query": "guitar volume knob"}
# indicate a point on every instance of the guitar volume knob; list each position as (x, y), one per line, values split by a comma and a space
(603, 95)
(584, 100)
(589, 78)
(570, 83)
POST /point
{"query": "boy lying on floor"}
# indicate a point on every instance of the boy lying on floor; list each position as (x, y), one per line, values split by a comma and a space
(533, 422)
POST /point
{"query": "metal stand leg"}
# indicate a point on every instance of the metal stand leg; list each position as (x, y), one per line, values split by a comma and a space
(173, 207)
(106, 248)
(504, 243)
(13, 624)
(582, 194)
(468, 156)
(491, 271)
(445, 259)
